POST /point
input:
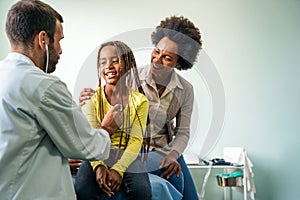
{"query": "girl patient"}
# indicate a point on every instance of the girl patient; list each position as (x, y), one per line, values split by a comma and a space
(122, 174)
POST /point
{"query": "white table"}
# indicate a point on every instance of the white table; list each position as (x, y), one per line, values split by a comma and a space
(226, 168)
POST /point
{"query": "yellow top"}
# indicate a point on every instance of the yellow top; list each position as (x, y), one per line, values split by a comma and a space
(138, 105)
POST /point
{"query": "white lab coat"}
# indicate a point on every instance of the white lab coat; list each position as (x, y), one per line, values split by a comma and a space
(40, 127)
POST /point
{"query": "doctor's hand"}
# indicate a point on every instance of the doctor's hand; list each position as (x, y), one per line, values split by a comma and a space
(170, 164)
(85, 94)
(113, 119)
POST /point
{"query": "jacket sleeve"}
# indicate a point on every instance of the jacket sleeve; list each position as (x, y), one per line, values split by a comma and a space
(183, 120)
(67, 126)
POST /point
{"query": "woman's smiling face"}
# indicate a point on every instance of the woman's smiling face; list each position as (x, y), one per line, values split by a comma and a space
(164, 57)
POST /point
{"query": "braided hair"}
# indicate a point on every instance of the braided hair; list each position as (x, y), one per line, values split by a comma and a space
(129, 76)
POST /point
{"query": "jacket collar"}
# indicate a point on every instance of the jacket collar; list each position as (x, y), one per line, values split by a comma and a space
(146, 75)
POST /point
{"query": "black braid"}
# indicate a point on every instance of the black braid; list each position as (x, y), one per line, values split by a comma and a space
(125, 55)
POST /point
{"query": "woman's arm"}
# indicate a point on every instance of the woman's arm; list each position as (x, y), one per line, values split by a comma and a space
(183, 121)
(181, 132)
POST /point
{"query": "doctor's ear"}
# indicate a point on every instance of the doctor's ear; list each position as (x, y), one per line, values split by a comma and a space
(43, 38)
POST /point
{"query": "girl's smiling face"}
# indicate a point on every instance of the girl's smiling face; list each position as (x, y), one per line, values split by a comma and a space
(110, 65)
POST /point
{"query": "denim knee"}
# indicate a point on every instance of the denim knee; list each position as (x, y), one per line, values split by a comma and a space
(177, 182)
(85, 185)
(136, 186)
(143, 192)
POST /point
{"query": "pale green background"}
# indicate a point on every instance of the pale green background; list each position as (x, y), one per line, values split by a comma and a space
(255, 47)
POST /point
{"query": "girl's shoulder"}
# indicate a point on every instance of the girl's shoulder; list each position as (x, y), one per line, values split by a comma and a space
(135, 94)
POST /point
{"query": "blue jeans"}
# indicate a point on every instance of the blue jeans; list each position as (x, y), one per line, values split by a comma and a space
(86, 186)
(190, 191)
(152, 166)
(184, 183)
(134, 185)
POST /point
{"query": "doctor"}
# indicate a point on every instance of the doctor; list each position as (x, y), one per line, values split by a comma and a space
(40, 125)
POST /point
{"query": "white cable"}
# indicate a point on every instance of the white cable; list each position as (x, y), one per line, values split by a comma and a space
(47, 59)
(205, 181)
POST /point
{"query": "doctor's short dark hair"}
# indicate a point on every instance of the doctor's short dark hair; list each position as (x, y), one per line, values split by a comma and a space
(27, 18)
(185, 34)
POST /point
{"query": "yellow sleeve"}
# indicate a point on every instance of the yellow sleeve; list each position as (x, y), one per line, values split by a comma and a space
(89, 111)
(96, 163)
(138, 122)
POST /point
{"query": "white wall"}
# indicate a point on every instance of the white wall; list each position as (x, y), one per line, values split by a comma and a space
(253, 47)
